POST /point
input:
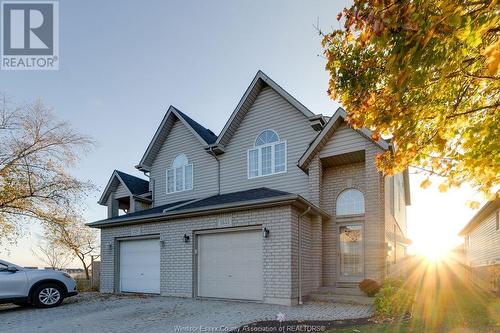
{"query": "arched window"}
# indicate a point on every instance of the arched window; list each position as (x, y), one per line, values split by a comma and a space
(180, 175)
(350, 202)
(179, 160)
(268, 155)
(267, 136)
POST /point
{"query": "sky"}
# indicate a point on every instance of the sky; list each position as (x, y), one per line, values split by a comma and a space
(122, 63)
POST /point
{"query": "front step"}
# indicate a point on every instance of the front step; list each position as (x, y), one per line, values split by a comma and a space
(341, 298)
(342, 291)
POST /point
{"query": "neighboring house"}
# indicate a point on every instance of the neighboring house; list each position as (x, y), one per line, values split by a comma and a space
(482, 245)
(282, 204)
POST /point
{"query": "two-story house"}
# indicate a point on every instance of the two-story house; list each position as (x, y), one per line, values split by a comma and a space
(281, 204)
(482, 246)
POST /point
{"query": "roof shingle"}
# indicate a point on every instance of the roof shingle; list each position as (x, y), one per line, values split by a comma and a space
(195, 204)
(242, 196)
(135, 184)
(205, 133)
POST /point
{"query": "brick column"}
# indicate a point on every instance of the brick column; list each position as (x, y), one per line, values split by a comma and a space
(315, 175)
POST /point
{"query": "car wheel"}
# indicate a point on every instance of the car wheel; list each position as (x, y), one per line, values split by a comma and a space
(48, 296)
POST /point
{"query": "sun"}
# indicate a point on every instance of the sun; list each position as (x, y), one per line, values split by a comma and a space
(434, 239)
(435, 254)
(434, 251)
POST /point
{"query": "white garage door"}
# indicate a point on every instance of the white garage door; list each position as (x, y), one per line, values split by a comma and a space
(230, 265)
(140, 266)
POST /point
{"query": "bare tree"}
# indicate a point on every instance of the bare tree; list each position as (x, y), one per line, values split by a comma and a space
(53, 255)
(36, 151)
(73, 235)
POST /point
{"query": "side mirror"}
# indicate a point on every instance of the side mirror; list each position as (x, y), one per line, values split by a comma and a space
(12, 269)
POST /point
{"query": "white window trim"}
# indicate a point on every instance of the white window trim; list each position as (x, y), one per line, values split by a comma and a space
(271, 130)
(183, 176)
(273, 159)
(343, 192)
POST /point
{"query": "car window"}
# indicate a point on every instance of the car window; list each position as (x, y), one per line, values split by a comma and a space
(2, 266)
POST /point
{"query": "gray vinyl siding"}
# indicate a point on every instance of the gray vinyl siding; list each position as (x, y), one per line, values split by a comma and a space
(395, 200)
(344, 140)
(484, 243)
(240, 115)
(182, 141)
(121, 191)
(269, 111)
(399, 201)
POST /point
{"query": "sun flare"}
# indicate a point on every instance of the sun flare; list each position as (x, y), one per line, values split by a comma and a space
(436, 253)
(432, 249)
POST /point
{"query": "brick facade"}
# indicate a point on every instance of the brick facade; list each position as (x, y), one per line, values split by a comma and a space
(364, 177)
(177, 266)
(319, 237)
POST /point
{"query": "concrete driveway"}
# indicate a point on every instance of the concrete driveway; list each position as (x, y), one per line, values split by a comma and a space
(91, 312)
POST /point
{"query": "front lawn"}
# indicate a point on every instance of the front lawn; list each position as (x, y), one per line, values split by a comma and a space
(444, 303)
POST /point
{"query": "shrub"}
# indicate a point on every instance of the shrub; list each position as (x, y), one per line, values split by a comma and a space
(369, 287)
(392, 301)
(393, 282)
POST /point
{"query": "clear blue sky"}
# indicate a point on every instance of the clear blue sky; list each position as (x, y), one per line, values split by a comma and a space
(122, 63)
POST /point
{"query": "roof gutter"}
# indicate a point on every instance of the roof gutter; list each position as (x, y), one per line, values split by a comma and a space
(341, 114)
(142, 199)
(487, 209)
(259, 203)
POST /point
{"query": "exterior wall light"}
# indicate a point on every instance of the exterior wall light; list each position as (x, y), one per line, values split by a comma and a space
(162, 243)
(265, 233)
(186, 238)
(109, 245)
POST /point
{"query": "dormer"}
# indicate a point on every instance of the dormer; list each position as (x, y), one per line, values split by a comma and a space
(125, 194)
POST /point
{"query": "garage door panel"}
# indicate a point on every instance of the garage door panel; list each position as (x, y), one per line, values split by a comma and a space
(140, 266)
(230, 265)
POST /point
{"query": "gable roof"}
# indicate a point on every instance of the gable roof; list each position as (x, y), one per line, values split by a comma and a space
(207, 135)
(134, 185)
(260, 81)
(204, 135)
(322, 138)
(247, 198)
(480, 216)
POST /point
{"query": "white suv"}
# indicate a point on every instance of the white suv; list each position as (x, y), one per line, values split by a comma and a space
(40, 287)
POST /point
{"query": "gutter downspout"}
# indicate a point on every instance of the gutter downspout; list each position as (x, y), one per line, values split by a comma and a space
(300, 252)
(211, 152)
(152, 185)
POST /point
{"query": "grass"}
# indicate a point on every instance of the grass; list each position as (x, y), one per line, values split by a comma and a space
(83, 285)
(443, 303)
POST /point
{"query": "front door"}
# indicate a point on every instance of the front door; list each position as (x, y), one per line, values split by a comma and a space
(350, 261)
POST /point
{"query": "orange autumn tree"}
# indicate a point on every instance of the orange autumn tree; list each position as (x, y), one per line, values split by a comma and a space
(426, 74)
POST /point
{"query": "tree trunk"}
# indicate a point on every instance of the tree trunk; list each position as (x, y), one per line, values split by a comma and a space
(85, 267)
(87, 275)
